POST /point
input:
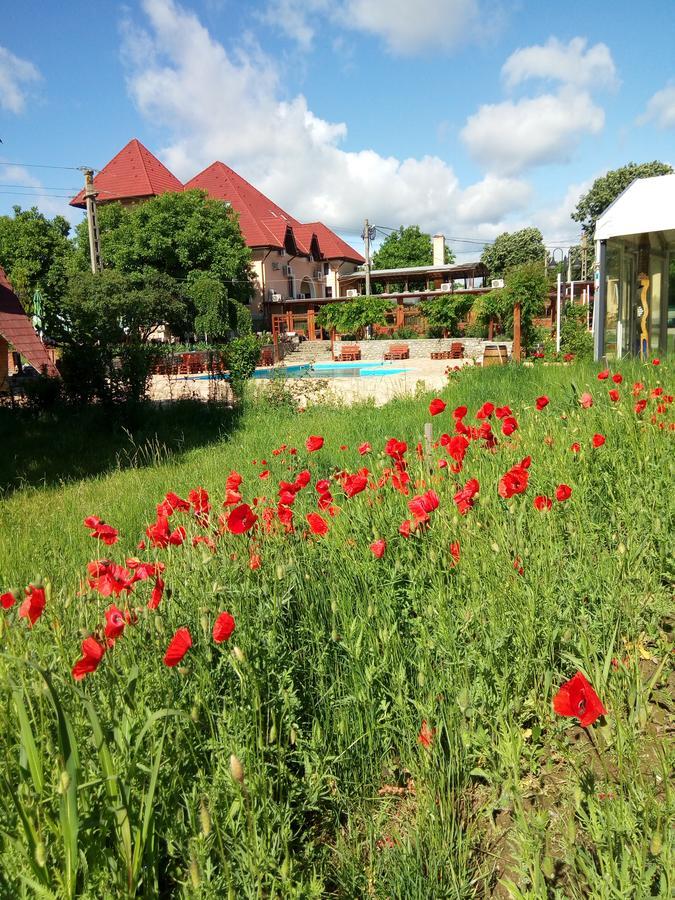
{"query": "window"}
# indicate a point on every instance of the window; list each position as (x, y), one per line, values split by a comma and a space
(329, 291)
(326, 268)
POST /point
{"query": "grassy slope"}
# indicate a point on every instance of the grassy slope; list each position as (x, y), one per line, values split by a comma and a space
(345, 656)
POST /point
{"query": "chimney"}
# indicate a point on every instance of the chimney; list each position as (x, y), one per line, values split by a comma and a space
(439, 249)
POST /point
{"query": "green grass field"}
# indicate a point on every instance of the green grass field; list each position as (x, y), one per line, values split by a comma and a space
(287, 761)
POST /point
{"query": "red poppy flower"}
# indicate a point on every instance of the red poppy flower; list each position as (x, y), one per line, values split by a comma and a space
(157, 593)
(303, 479)
(323, 486)
(436, 406)
(108, 579)
(203, 539)
(178, 647)
(575, 448)
(199, 500)
(454, 552)
(7, 600)
(614, 395)
(586, 400)
(92, 654)
(378, 547)
(102, 532)
(577, 698)
(598, 440)
(34, 604)
(177, 536)
(640, 406)
(144, 570)
(513, 482)
(396, 449)
(541, 402)
(617, 379)
(365, 448)
(563, 492)
(503, 411)
(509, 425)
(518, 566)
(656, 361)
(314, 442)
(254, 562)
(115, 622)
(241, 519)
(171, 503)
(604, 375)
(485, 411)
(404, 528)
(457, 446)
(638, 387)
(264, 474)
(354, 484)
(426, 735)
(542, 503)
(317, 524)
(223, 628)
(464, 497)
(285, 514)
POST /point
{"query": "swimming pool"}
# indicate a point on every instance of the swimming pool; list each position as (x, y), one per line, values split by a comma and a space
(361, 369)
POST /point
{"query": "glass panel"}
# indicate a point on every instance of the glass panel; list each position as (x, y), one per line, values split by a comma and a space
(671, 307)
(613, 268)
(656, 276)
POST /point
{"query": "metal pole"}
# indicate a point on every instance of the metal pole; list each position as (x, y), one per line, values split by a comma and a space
(366, 238)
(557, 313)
(600, 303)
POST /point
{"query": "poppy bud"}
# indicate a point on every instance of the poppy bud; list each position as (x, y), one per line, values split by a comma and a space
(272, 736)
(205, 818)
(238, 654)
(571, 830)
(236, 769)
(204, 622)
(285, 870)
(64, 782)
(655, 844)
(421, 679)
(293, 735)
(194, 714)
(195, 876)
(334, 635)
(547, 867)
(40, 854)
(334, 606)
(159, 625)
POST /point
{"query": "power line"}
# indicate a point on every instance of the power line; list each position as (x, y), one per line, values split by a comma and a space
(41, 187)
(39, 166)
(35, 196)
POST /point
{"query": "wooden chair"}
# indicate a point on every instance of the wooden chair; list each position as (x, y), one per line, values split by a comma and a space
(457, 351)
(267, 357)
(348, 353)
(398, 351)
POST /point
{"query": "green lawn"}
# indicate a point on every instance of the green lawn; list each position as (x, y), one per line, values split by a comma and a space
(122, 784)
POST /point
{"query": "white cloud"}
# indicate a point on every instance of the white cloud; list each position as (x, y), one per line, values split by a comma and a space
(15, 76)
(229, 106)
(571, 64)
(661, 108)
(406, 28)
(31, 192)
(511, 136)
(554, 220)
(493, 198)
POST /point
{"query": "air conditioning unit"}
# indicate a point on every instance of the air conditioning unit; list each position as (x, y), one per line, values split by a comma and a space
(300, 297)
(276, 265)
(287, 270)
(274, 297)
(497, 283)
(318, 274)
(352, 292)
(446, 286)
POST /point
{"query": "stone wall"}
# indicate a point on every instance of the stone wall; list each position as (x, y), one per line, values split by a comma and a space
(423, 348)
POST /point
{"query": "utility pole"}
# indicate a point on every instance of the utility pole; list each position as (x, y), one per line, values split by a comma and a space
(369, 232)
(90, 194)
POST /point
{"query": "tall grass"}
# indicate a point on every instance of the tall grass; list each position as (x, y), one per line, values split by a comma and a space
(123, 785)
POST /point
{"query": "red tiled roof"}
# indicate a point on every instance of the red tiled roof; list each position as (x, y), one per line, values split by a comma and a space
(133, 173)
(332, 246)
(308, 242)
(17, 329)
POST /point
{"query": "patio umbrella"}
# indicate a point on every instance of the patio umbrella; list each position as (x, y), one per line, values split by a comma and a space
(38, 311)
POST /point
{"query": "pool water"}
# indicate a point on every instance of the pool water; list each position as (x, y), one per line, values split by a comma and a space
(361, 369)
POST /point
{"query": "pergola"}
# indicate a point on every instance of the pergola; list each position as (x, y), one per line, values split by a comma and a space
(411, 278)
(635, 290)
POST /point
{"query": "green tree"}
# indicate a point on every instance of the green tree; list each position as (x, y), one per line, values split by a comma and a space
(177, 235)
(407, 247)
(607, 188)
(216, 314)
(353, 316)
(444, 313)
(513, 249)
(526, 284)
(36, 254)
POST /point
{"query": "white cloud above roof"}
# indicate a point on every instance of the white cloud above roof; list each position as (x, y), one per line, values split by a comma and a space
(661, 108)
(16, 75)
(574, 63)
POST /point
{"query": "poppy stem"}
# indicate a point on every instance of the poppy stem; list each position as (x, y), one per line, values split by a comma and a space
(597, 750)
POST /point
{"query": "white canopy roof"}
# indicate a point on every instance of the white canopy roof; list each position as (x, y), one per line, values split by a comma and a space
(647, 204)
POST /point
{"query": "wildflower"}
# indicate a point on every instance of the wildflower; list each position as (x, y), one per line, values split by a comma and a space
(436, 406)
(502, 412)
(254, 561)
(404, 528)
(656, 361)
(640, 406)
(223, 628)
(638, 387)
(563, 492)
(354, 484)
(241, 519)
(618, 378)
(542, 503)
(102, 532)
(518, 565)
(598, 440)
(396, 449)
(314, 442)
(614, 395)
(586, 400)
(34, 604)
(203, 539)
(365, 448)
(107, 578)
(577, 698)
(604, 375)
(485, 411)
(317, 524)
(541, 402)
(157, 594)
(7, 600)
(575, 448)
(426, 735)
(513, 482)
(378, 547)
(464, 497)
(460, 412)
(115, 622)
(199, 500)
(454, 553)
(92, 654)
(179, 645)
(509, 425)
(456, 447)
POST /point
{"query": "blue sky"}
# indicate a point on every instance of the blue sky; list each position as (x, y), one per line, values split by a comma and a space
(469, 117)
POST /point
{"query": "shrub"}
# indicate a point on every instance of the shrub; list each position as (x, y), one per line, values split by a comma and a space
(242, 355)
(574, 335)
(353, 316)
(43, 392)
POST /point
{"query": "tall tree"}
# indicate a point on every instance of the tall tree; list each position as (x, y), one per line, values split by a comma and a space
(607, 188)
(407, 247)
(177, 235)
(513, 249)
(36, 254)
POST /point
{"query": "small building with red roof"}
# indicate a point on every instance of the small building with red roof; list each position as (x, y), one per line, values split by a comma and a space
(17, 332)
(293, 263)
